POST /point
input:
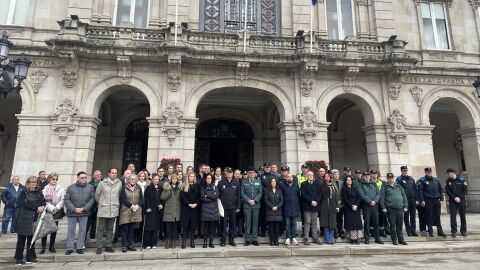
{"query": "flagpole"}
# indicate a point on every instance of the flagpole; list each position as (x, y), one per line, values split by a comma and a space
(245, 27)
(176, 21)
(311, 28)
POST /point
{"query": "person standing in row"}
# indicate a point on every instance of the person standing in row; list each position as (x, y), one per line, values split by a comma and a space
(92, 219)
(456, 189)
(210, 214)
(370, 195)
(54, 196)
(171, 210)
(10, 197)
(79, 201)
(265, 178)
(131, 199)
(410, 187)
(394, 203)
(190, 213)
(431, 196)
(229, 194)
(273, 210)
(329, 207)
(311, 196)
(107, 197)
(338, 182)
(153, 209)
(251, 193)
(291, 208)
(351, 203)
(31, 204)
(42, 180)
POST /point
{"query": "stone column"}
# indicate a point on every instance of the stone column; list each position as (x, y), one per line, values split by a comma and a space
(154, 14)
(86, 136)
(322, 21)
(153, 149)
(420, 151)
(96, 11)
(471, 152)
(377, 148)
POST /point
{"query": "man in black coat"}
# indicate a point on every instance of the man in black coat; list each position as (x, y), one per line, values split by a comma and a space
(410, 187)
(229, 194)
(431, 194)
(265, 178)
(311, 196)
(456, 189)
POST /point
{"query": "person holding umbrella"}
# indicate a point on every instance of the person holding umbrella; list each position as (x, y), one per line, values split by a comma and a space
(31, 203)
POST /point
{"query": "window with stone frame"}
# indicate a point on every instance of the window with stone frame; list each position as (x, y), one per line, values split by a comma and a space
(131, 12)
(14, 11)
(340, 18)
(435, 25)
(263, 16)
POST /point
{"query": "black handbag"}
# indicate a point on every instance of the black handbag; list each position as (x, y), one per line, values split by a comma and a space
(59, 214)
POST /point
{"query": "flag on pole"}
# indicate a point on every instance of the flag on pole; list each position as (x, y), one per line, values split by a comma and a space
(314, 2)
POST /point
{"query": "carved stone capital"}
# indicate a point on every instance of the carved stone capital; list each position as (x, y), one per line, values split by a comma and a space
(475, 96)
(398, 132)
(70, 68)
(349, 77)
(417, 95)
(174, 73)
(307, 75)
(362, 2)
(242, 73)
(37, 79)
(124, 69)
(308, 129)
(63, 119)
(395, 81)
(172, 116)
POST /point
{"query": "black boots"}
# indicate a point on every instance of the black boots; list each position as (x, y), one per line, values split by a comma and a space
(211, 245)
(205, 245)
(42, 250)
(192, 243)
(184, 243)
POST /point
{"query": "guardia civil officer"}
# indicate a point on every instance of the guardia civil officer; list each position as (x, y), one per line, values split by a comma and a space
(431, 194)
(251, 194)
(370, 196)
(456, 189)
(410, 187)
(394, 202)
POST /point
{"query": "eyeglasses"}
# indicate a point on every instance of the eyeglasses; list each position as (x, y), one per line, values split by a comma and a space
(83, 177)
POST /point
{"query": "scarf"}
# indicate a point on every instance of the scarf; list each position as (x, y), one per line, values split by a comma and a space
(130, 187)
(51, 195)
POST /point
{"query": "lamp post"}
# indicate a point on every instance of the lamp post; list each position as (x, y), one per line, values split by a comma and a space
(476, 84)
(12, 72)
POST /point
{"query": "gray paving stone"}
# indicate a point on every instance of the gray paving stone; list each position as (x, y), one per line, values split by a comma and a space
(129, 256)
(320, 251)
(201, 253)
(258, 252)
(159, 254)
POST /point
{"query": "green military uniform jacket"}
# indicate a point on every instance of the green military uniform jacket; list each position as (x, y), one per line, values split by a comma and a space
(251, 190)
(393, 197)
(368, 192)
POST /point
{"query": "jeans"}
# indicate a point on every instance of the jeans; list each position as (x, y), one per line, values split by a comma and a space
(10, 213)
(71, 231)
(291, 227)
(329, 235)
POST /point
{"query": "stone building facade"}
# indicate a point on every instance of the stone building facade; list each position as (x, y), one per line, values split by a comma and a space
(383, 83)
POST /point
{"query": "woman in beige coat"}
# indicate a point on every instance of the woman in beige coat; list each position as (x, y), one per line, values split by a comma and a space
(171, 212)
(131, 200)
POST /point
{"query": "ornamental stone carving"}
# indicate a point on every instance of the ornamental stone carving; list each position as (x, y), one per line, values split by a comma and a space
(398, 133)
(307, 78)
(124, 69)
(475, 96)
(417, 94)
(308, 120)
(212, 16)
(362, 2)
(449, 2)
(63, 119)
(37, 79)
(394, 90)
(172, 117)
(475, 3)
(174, 73)
(242, 73)
(395, 78)
(350, 75)
(269, 16)
(70, 68)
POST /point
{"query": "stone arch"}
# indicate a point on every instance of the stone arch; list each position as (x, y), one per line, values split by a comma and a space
(27, 97)
(93, 99)
(370, 106)
(466, 109)
(280, 97)
(124, 121)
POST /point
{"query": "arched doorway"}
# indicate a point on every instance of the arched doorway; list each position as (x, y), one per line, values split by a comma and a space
(11, 105)
(224, 142)
(122, 136)
(346, 139)
(238, 127)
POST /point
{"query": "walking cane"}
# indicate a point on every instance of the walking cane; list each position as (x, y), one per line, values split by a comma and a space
(143, 229)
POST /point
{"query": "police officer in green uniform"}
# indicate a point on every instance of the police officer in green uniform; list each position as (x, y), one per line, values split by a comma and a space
(394, 203)
(251, 193)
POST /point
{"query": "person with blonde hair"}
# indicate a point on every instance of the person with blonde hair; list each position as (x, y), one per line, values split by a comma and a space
(54, 196)
(190, 213)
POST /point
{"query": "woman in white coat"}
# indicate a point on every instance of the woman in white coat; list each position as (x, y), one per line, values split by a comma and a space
(54, 196)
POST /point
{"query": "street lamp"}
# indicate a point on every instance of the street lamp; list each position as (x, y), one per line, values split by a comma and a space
(476, 84)
(13, 72)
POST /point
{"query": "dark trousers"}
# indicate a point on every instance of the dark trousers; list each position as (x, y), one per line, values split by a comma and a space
(462, 209)
(381, 219)
(409, 218)
(188, 230)
(138, 232)
(432, 209)
(150, 238)
(273, 227)
(261, 219)
(162, 232)
(127, 234)
(229, 224)
(209, 230)
(171, 229)
(422, 223)
(340, 221)
(395, 217)
(92, 225)
(370, 217)
(31, 255)
(53, 236)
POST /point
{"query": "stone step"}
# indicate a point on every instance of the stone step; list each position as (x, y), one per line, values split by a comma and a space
(262, 251)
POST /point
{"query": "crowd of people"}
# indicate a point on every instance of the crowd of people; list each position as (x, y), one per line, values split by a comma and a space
(169, 205)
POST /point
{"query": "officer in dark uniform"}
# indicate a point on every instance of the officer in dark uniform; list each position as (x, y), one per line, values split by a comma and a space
(422, 216)
(229, 194)
(431, 194)
(410, 187)
(265, 179)
(456, 189)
